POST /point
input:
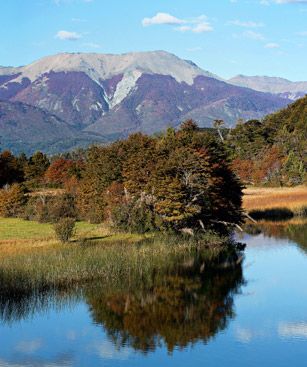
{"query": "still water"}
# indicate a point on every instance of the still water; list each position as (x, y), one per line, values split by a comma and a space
(254, 316)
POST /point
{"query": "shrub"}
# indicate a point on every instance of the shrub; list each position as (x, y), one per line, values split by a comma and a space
(61, 206)
(64, 229)
(51, 208)
(133, 216)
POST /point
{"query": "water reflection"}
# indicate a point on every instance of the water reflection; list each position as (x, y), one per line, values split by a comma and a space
(294, 231)
(176, 311)
(17, 307)
(156, 321)
(178, 308)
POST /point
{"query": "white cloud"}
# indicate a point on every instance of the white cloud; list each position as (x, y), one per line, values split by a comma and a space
(246, 24)
(162, 18)
(202, 27)
(272, 45)
(67, 36)
(198, 28)
(195, 25)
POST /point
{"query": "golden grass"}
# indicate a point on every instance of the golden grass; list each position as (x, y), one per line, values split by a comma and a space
(292, 198)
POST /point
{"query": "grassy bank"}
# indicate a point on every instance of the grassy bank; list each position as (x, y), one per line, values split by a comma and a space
(32, 259)
(276, 202)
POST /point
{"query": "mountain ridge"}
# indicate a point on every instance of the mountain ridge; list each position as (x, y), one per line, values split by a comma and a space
(275, 85)
(113, 95)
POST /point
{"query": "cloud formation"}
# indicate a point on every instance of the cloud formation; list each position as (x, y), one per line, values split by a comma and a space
(198, 28)
(162, 18)
(195, 25)
(67, 36)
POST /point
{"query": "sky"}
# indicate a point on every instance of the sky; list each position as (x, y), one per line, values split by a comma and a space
(226, 37)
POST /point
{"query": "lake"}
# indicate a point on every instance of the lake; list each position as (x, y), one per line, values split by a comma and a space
(253, 316)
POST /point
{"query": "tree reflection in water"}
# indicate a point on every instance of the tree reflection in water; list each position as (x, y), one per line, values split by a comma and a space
(176, 307)
(177, 310)
(295, 231)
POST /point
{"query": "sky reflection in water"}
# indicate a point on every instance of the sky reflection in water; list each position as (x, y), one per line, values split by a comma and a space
(259, 318)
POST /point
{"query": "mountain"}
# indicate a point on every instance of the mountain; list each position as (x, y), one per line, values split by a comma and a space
(109, 96)
(30, 125)
(24, 128)
(279, 86)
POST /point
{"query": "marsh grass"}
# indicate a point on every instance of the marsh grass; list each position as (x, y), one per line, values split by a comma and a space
(275, 203)
(95, 254)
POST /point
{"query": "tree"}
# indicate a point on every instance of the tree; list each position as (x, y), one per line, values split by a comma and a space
(11, 169)
(12, 200)
(36, 168)
(62, 170)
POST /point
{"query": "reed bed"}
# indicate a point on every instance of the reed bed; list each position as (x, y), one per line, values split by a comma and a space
(41, 265)
(71, 264)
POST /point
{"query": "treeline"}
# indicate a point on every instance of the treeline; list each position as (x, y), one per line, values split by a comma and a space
(179, 180)
(273, 151)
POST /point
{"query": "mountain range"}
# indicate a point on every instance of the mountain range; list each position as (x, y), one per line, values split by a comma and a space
(67, 100)
(279, 86)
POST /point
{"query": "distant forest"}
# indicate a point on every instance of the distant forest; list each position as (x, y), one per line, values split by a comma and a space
(273, 151)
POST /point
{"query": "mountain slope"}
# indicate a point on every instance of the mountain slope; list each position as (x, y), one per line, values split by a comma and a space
(114, 95)
(28, 125)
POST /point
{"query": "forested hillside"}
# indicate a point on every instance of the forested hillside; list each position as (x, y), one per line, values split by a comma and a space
(272, 151)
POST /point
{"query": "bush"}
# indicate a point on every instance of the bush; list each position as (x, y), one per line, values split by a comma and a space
(133, 216)
(46, 209)
(64, 229)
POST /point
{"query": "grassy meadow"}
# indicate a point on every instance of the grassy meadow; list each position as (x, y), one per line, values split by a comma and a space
(291, 200)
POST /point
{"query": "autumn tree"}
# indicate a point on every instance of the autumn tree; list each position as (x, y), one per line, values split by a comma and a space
(12, 200)
(62, 170)
(36, 168)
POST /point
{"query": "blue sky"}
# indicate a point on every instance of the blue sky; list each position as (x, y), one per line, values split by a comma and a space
(227, 37)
